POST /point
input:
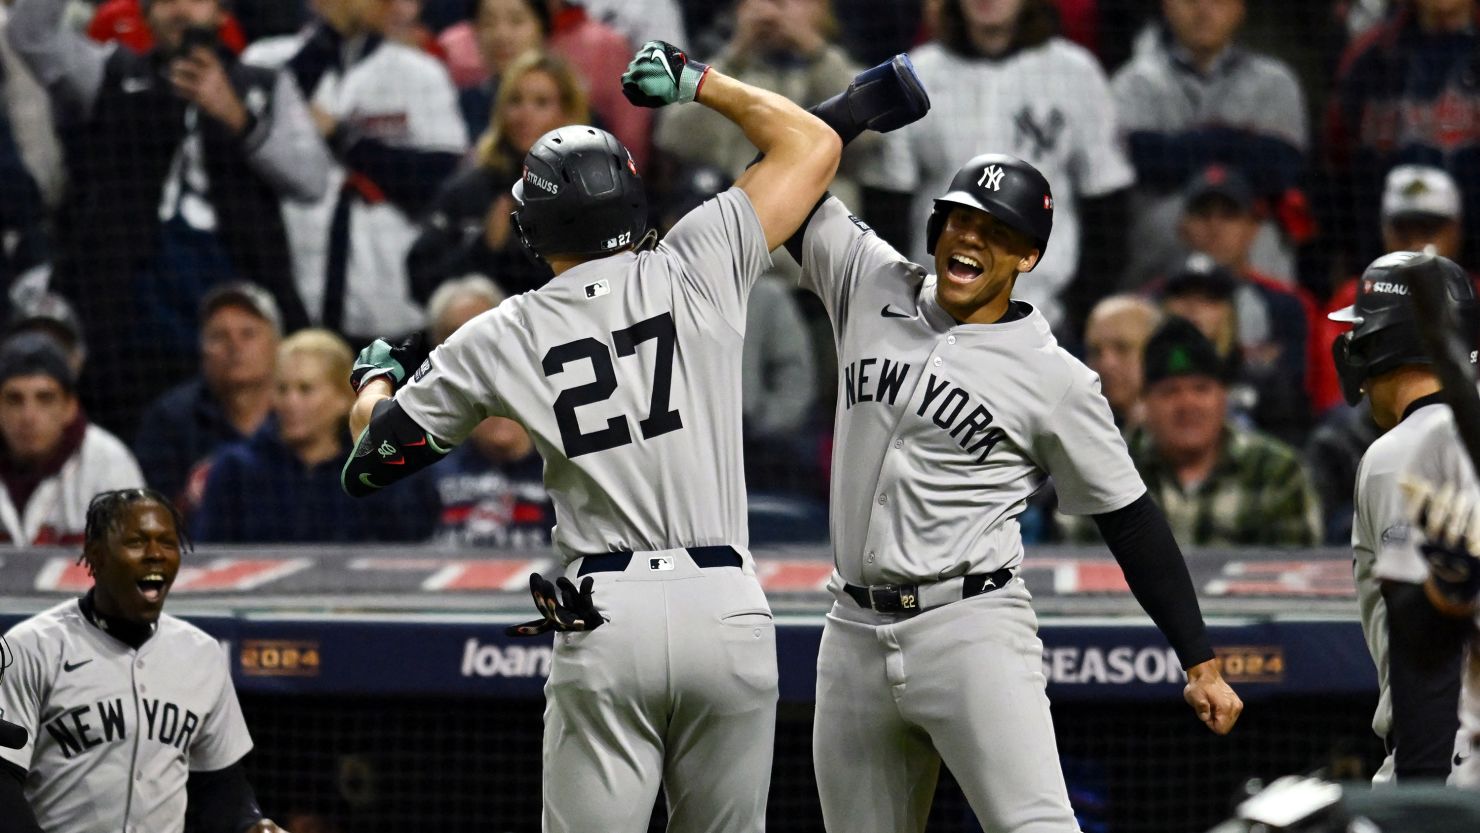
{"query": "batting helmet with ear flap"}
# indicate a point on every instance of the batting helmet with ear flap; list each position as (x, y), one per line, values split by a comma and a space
(1005, 187)
(1384, 334)
(580, 195)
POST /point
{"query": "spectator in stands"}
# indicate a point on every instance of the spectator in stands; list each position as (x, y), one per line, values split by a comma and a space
(53, 460)
(282, 484)
(1219, 484)
(640, 20)
(1196, 98)
(480, 51)
(1221, 219)
(1114, 339)
(49, 313)
(458, 301)
(226, 403)
(1401, 96)
(177, 160)
(1263, 390)
(492, 489)
(785, 46)
(466, 229)
(389, 115)
(28, 108)
(1001, 80)
(123, 21)
(24, 245)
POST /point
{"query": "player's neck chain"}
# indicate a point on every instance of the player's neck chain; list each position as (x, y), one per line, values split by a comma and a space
(132, 634)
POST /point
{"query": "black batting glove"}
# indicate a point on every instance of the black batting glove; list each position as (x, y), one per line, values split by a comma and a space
(574, 610)
(393, 363)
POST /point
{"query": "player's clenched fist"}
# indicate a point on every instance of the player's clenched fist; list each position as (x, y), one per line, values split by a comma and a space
(662, 74)
(1211, 697)
(382, 360)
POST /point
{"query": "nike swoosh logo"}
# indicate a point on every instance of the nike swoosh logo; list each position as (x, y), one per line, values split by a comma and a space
(73, 666)
(365, 478)
(888, 312)
(658, 54)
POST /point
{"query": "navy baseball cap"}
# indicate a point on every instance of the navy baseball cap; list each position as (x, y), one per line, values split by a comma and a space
(1219, 182)
(35, 354)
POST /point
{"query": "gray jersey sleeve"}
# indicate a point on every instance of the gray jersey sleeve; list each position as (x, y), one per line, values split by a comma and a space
(837, 250)
(722, 251)
(224, 738)
(1081, 449)
(21, 692)
(455, 389)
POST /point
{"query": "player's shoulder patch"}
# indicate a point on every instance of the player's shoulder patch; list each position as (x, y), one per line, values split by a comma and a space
(426, 367)
(862, 226)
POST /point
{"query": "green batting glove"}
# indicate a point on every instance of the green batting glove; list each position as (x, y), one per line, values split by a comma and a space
(382, 360)
(662, 74)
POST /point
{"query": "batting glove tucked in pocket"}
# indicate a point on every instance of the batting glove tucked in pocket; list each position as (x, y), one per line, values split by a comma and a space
(574, 610)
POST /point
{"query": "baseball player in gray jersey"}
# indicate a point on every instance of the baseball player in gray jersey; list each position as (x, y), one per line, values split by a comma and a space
(625, 370)
(1417, 652)
(955, 404)
(132, 724)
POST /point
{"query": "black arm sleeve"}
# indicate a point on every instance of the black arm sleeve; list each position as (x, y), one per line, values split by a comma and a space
(1425, 653)
(1142, 543)
(391, 448)
(794, 243)
(13, 805)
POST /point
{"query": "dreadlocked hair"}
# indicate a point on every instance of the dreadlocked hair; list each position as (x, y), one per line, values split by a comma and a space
(105, 509)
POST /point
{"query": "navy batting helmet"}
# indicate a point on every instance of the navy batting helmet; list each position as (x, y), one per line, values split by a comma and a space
(1384, 334)
(1005, 187)
(580, 195)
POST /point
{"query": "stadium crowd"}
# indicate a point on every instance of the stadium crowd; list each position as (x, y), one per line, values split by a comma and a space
(206, 206)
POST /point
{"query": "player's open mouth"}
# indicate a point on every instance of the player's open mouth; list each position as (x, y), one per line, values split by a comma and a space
(152, 587)
(964, 268)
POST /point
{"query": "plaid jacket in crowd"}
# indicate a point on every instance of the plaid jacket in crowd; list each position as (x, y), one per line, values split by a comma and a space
(1258, 494)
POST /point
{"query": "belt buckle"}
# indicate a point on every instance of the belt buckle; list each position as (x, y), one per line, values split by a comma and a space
(893, 598)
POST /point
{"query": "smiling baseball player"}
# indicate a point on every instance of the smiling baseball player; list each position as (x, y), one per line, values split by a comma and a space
(625, 370)
(955, 404)
(133, 725)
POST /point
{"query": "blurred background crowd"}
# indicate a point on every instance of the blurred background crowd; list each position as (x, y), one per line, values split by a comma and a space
(206, 206)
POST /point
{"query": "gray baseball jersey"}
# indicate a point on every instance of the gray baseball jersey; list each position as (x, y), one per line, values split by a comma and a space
(946, 429)
(626, 372)
(943, 431)
(1423, 446)
(114, 731)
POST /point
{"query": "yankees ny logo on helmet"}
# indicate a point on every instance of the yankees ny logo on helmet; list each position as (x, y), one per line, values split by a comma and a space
(991, 177)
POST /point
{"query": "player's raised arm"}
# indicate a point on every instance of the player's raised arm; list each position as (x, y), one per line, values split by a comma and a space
(801, 152)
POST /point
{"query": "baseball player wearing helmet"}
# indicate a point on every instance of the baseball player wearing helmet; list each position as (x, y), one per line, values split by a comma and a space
(625, 371)
(955, 405)
(1417, 653)
(131, 720)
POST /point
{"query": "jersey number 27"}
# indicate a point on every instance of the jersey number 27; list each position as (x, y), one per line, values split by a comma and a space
(660, 419)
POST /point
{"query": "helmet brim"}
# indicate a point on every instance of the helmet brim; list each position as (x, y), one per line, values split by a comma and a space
(1346, 315)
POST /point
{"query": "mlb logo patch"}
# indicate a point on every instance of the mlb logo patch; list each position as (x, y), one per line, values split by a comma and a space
(660, 563)
(598, 289)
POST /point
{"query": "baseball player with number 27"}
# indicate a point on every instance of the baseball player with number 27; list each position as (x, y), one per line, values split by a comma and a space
(955, 404)
(625, 369)
(132, 724)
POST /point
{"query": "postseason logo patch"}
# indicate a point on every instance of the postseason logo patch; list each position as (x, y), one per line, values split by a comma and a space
(426, 367)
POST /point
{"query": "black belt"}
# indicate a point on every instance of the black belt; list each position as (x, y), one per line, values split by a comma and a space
(905, 598)
(607, 562)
